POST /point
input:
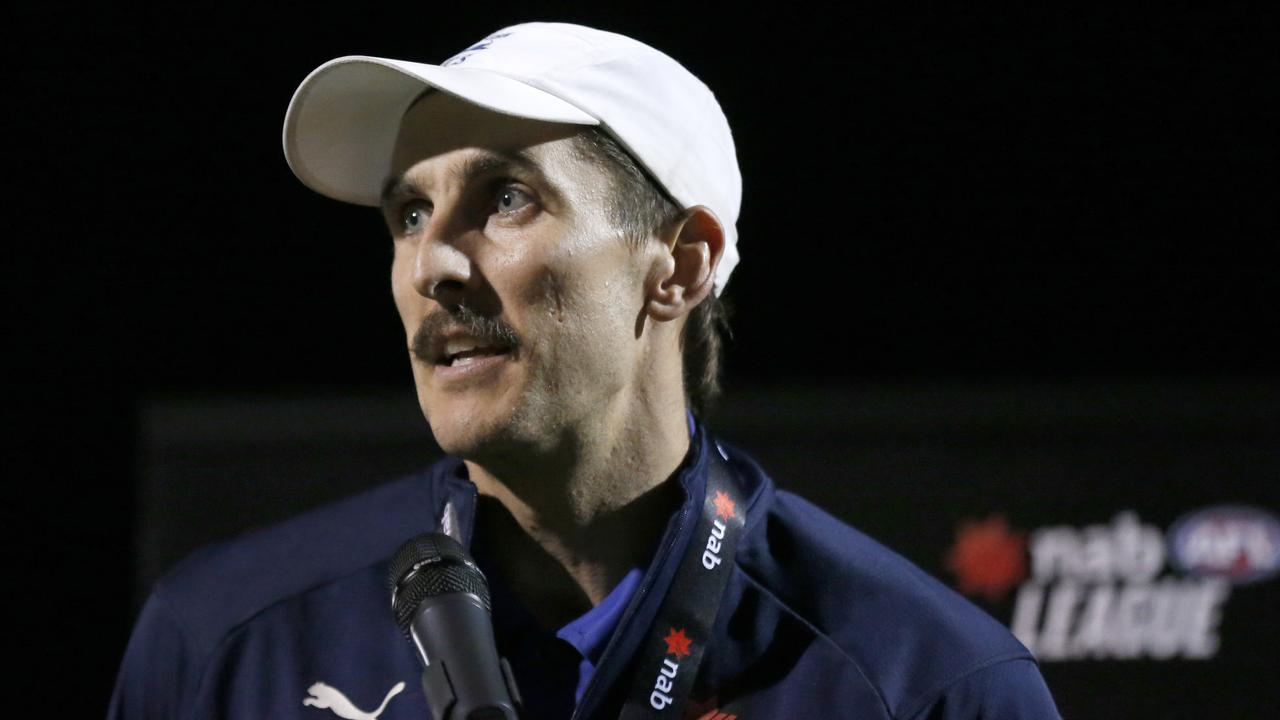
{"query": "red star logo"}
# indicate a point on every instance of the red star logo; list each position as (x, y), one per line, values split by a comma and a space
(677, 643)
(724, 505)
(988, 558)
(715, 714)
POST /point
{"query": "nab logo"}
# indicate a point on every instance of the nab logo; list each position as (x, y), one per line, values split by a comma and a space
(677, 645)
(989, 558)
(724, 509)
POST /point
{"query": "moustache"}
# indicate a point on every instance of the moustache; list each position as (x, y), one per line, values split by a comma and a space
(485, 329)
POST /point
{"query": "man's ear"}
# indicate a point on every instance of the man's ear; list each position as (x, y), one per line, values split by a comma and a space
(685, 271)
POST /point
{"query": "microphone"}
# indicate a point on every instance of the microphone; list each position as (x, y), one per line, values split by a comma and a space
(441, 602)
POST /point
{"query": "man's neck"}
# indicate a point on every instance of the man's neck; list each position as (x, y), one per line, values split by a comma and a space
(569, 531)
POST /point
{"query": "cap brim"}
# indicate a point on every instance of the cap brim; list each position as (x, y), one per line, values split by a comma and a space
(342, 122)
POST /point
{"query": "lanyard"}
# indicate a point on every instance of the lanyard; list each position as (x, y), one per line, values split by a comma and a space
(669, 658)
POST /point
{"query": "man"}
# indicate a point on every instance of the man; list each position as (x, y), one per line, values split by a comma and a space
(562, 203)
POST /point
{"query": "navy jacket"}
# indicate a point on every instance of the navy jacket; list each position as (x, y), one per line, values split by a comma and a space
(817, 621)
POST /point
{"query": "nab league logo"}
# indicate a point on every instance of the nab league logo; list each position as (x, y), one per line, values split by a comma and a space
(1105, 591)
(724, 509)
(329, 697)
(677, 647)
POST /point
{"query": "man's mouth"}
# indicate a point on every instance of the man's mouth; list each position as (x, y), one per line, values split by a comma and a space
(462, 342)
(460, 352)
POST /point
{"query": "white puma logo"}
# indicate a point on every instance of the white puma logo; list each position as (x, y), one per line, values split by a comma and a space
(327, 696)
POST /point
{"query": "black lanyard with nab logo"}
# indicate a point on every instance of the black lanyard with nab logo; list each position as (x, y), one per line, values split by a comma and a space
(669, 658)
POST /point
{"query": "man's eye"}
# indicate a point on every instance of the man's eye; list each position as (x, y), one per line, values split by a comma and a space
(511, 200)
(413, 218)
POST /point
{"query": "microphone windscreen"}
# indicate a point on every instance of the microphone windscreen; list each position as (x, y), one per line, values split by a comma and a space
(427, 566)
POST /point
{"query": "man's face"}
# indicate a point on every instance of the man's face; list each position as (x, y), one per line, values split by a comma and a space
(521, 302)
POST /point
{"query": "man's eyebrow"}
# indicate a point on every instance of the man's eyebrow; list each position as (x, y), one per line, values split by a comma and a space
(395, 188)
(486, 162)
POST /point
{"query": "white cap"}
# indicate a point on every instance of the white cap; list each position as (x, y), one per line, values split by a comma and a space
(341, 126)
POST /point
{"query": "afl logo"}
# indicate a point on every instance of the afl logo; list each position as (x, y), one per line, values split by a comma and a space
(1233, 542)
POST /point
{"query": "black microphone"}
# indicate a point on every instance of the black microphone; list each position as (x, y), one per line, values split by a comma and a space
(441, 602)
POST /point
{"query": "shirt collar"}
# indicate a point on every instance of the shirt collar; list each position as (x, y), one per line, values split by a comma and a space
(590, 632)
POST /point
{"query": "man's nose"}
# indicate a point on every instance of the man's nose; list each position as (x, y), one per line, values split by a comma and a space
(442, 267)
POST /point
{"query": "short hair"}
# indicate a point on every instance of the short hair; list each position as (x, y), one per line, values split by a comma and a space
(640, 207)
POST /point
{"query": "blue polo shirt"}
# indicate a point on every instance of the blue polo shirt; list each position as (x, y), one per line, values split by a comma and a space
(590, 633)
(552, 668)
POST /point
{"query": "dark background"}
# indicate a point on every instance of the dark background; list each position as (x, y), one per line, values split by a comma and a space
(931, 196)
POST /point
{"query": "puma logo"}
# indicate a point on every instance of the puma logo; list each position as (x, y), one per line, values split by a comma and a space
(326, 696)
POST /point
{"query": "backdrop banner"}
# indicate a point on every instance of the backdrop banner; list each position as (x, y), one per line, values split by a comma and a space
(1128, 534)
